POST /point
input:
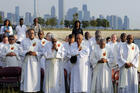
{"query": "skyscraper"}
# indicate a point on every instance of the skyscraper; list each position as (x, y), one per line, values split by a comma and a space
(35, 8)
(2, 14)
(86, 13)
(28, 18)
(126, 23)
(53, 11)
(17, 14)
(61, 10)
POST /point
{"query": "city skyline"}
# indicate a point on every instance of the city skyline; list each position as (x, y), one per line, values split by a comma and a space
(94, 12)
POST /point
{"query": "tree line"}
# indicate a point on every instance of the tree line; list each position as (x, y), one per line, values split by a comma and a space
(53, 22)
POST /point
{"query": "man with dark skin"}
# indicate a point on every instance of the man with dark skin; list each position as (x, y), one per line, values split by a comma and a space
(87, 36)
(41, 35)
(123, 37)
(128, 61)
(21, 31)
(130, 40)
(102, 45)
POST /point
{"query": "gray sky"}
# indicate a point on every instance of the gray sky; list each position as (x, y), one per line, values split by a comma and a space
(96, 7)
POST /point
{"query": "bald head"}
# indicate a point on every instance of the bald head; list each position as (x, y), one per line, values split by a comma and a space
(41, 34)
(79, 38)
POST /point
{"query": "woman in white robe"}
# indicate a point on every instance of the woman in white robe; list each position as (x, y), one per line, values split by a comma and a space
(30, 79)
(80, 70)
(54, 72)
(101, 59)
(128, 59)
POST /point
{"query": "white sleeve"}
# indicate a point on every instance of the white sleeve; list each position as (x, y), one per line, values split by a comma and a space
(110, 58)
(2, 30)
(135, 62)
(120, 60)
(11, 30)
(93, 58)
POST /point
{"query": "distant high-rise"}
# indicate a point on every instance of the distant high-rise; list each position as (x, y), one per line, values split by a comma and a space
(126, 23)
(86, 13)
(61, 10)
(84, 7)
(17, 14)
(53, 11)
(11, 17)
(101, 16)
(71, 12)
(2, 14)
(120, 23)
(35, 9)
(28, 18)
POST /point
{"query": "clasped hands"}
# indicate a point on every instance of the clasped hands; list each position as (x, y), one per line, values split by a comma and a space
(11, 54)
(103, 60)
(31, 53)
(128, 65)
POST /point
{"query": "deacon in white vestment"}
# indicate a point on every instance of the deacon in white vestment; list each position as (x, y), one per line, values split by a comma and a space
(68, 65)
(128, 59)
(101, 59)
(2, 44)
(30, 79)
(123, 39)
(80, 69)
(11, 52)
(42, 42)
(113, 45)
(54, 71)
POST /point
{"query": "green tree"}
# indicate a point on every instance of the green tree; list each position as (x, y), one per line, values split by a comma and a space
(99, 22)
(1, 21)
(93, 23)
(47, 22)
(105, 23)
(67, 23)
(85, 24)
(62, 22)
(41, 21)
(53, 21)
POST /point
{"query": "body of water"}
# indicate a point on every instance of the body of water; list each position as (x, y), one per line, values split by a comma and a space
(137, 41)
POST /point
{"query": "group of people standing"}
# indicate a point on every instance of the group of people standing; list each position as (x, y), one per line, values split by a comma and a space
(88, 60)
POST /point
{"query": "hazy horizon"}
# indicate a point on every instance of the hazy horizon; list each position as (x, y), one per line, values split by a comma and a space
(96, 7)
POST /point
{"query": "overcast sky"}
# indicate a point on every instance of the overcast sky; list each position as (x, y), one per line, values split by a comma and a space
(131, 8)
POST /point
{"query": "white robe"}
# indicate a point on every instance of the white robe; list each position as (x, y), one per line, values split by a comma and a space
(30, 79)
(13, 61)
(42, 45)
(54, 72)
(102, 77)
(67, 64)
(80, 70)
(128, 79)
(21, 32)
(114, 48)
(2, 63)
